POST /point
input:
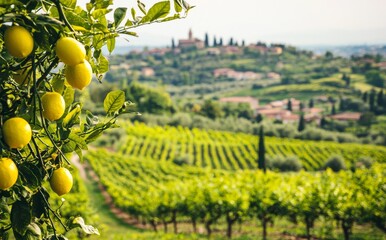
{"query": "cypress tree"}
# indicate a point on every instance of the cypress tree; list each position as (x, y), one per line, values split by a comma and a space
(230, 42)
(311, 103)
(302, 123)
(341, 104)
(214, 41)
(323, 122)
(206, 40)
(220, 42)
(372, 100)
(333, 110)
(364, 97)
(380, 98)
(289, 105)
(173, 44)
(261, 153)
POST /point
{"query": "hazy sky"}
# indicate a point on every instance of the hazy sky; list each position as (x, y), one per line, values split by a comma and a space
(298, 22)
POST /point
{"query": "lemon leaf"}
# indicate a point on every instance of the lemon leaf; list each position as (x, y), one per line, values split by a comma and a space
(114, 101)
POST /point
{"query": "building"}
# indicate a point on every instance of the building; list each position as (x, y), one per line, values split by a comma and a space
(347, 116)
(191, 42)
(230, 73)
(147, 72)
(253, 102)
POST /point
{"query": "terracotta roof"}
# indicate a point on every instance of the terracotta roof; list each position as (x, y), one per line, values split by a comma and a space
(347, 116)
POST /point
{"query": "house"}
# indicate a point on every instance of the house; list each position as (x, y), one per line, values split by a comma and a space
(347, 116)
(276, 50)
(191, 42)
(273, 75)
(222, 72)
(253, 102)
(213, 51)
(382, 65)
(147, 72)
(257, 48)
(279, 114)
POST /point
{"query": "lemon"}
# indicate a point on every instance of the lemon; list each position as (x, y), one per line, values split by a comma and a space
(53, 106)
(80, 75)
(61, 181)
(16, 132)
(18, 41)
(70, 51)
(8, 173)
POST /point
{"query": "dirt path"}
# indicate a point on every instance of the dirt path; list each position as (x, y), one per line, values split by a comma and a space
(88, 174)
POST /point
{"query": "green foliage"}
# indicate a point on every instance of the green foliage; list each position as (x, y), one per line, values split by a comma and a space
(335, 163)
(155, 190)
(25, 208)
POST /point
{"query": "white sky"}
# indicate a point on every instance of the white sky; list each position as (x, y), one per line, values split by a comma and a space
(298, 22)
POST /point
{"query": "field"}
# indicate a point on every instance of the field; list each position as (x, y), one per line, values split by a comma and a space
(233, 151)
(189, 199)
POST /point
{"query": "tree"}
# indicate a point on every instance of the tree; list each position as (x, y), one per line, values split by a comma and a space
(206, 40)
(333, 110)
(374, 77)
(341, 104)
(173, 44)
(33, 94)
(214, 41)
(323, 122)
(243, 43)
(211, 109)
(259, 118)
(364, 97)
(289, 105)
(380, 100)
(261, 153)
(230, 41)
(302, 123)
(372, 100)
(347, 79)
(311, 103)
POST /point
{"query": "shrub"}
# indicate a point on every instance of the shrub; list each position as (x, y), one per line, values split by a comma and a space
(284, 164)
(182, 160)
(335, 163)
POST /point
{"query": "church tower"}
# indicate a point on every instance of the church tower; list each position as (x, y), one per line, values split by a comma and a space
(190, 34)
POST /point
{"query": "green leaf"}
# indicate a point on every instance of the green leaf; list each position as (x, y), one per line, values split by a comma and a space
(141, 7)
(114, 101)
(177, 6)
(103, 65)
(157, 11)
(20, 217)
(68, 96)
(111, 44)
(34, 229)
(69, 3)
(57, 84)
(99, 13)
(133, 14)
(129, 23)
(72, 117)
(119, 15)
(88, 229)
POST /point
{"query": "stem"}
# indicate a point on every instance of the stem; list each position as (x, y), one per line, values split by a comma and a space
(55, 214)
(62, 16)
(39, 155)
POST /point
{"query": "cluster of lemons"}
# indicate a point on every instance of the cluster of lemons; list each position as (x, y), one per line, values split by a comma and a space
(16, 131)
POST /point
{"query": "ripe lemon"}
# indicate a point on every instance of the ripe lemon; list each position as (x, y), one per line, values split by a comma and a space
(16, 132)
(8, 173)
(53, 106)
(18, 41)
(70, 51)
(80, 75)
(61, 181)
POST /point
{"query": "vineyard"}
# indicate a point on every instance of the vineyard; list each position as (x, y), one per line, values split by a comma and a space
(161, 193)
(233, 151)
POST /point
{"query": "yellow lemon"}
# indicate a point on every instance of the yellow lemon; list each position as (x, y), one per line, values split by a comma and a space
(16, 132)
(61, 181)
(53, 106)
(8, 173)
(18, 41)
(70, 51)
(80, 75)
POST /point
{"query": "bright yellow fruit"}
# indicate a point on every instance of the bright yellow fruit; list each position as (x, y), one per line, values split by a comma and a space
(8, 173)
(80, 75)
(16, 132)
(70, 51)
(53, 106)
(18, 41)
(61, 181)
